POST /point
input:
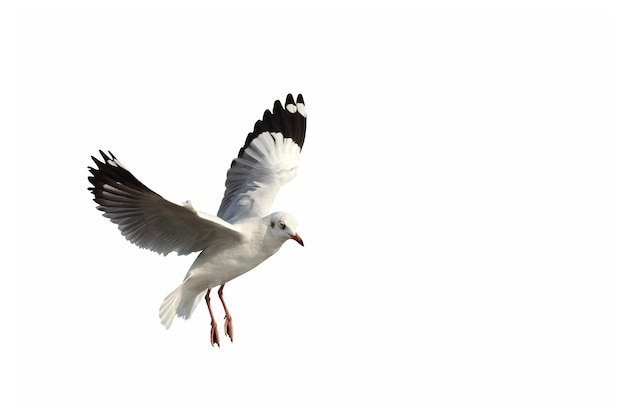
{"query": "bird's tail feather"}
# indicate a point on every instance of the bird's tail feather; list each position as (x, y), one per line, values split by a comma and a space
(168, 308)
(181, 302)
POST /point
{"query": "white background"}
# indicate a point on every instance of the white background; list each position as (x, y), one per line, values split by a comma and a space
(454, 198)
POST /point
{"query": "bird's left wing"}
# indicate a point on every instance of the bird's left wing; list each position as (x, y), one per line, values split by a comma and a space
(149, 220)
(268, 159)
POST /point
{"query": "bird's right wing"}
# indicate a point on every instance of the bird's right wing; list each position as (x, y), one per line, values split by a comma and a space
(149, 220)
(267, 161)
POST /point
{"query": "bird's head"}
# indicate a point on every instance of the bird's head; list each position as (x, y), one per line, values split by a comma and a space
(283, 226)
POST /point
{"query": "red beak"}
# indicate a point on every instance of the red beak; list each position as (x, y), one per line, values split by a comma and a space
(298, 239)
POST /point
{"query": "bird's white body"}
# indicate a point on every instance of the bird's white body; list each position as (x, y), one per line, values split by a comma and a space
(220, 263)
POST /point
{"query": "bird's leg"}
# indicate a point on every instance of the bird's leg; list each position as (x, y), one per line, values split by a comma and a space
(215, 337)
(228, 324)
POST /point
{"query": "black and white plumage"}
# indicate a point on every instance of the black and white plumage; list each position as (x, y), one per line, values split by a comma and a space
(240, 237)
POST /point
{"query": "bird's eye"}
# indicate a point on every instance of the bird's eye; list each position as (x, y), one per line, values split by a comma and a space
(281, 224)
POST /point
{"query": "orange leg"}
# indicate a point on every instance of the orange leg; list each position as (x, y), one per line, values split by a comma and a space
(215, 337)
(228, 324)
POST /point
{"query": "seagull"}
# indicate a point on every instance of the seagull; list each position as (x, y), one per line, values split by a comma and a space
(242, 235)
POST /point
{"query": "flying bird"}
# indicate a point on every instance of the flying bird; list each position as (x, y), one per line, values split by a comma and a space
(243, 233)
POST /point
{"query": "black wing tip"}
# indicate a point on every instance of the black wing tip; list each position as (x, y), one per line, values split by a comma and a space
(105, 159)
(278, 107)
(289, 99)
(110, 171)
(290, 120)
